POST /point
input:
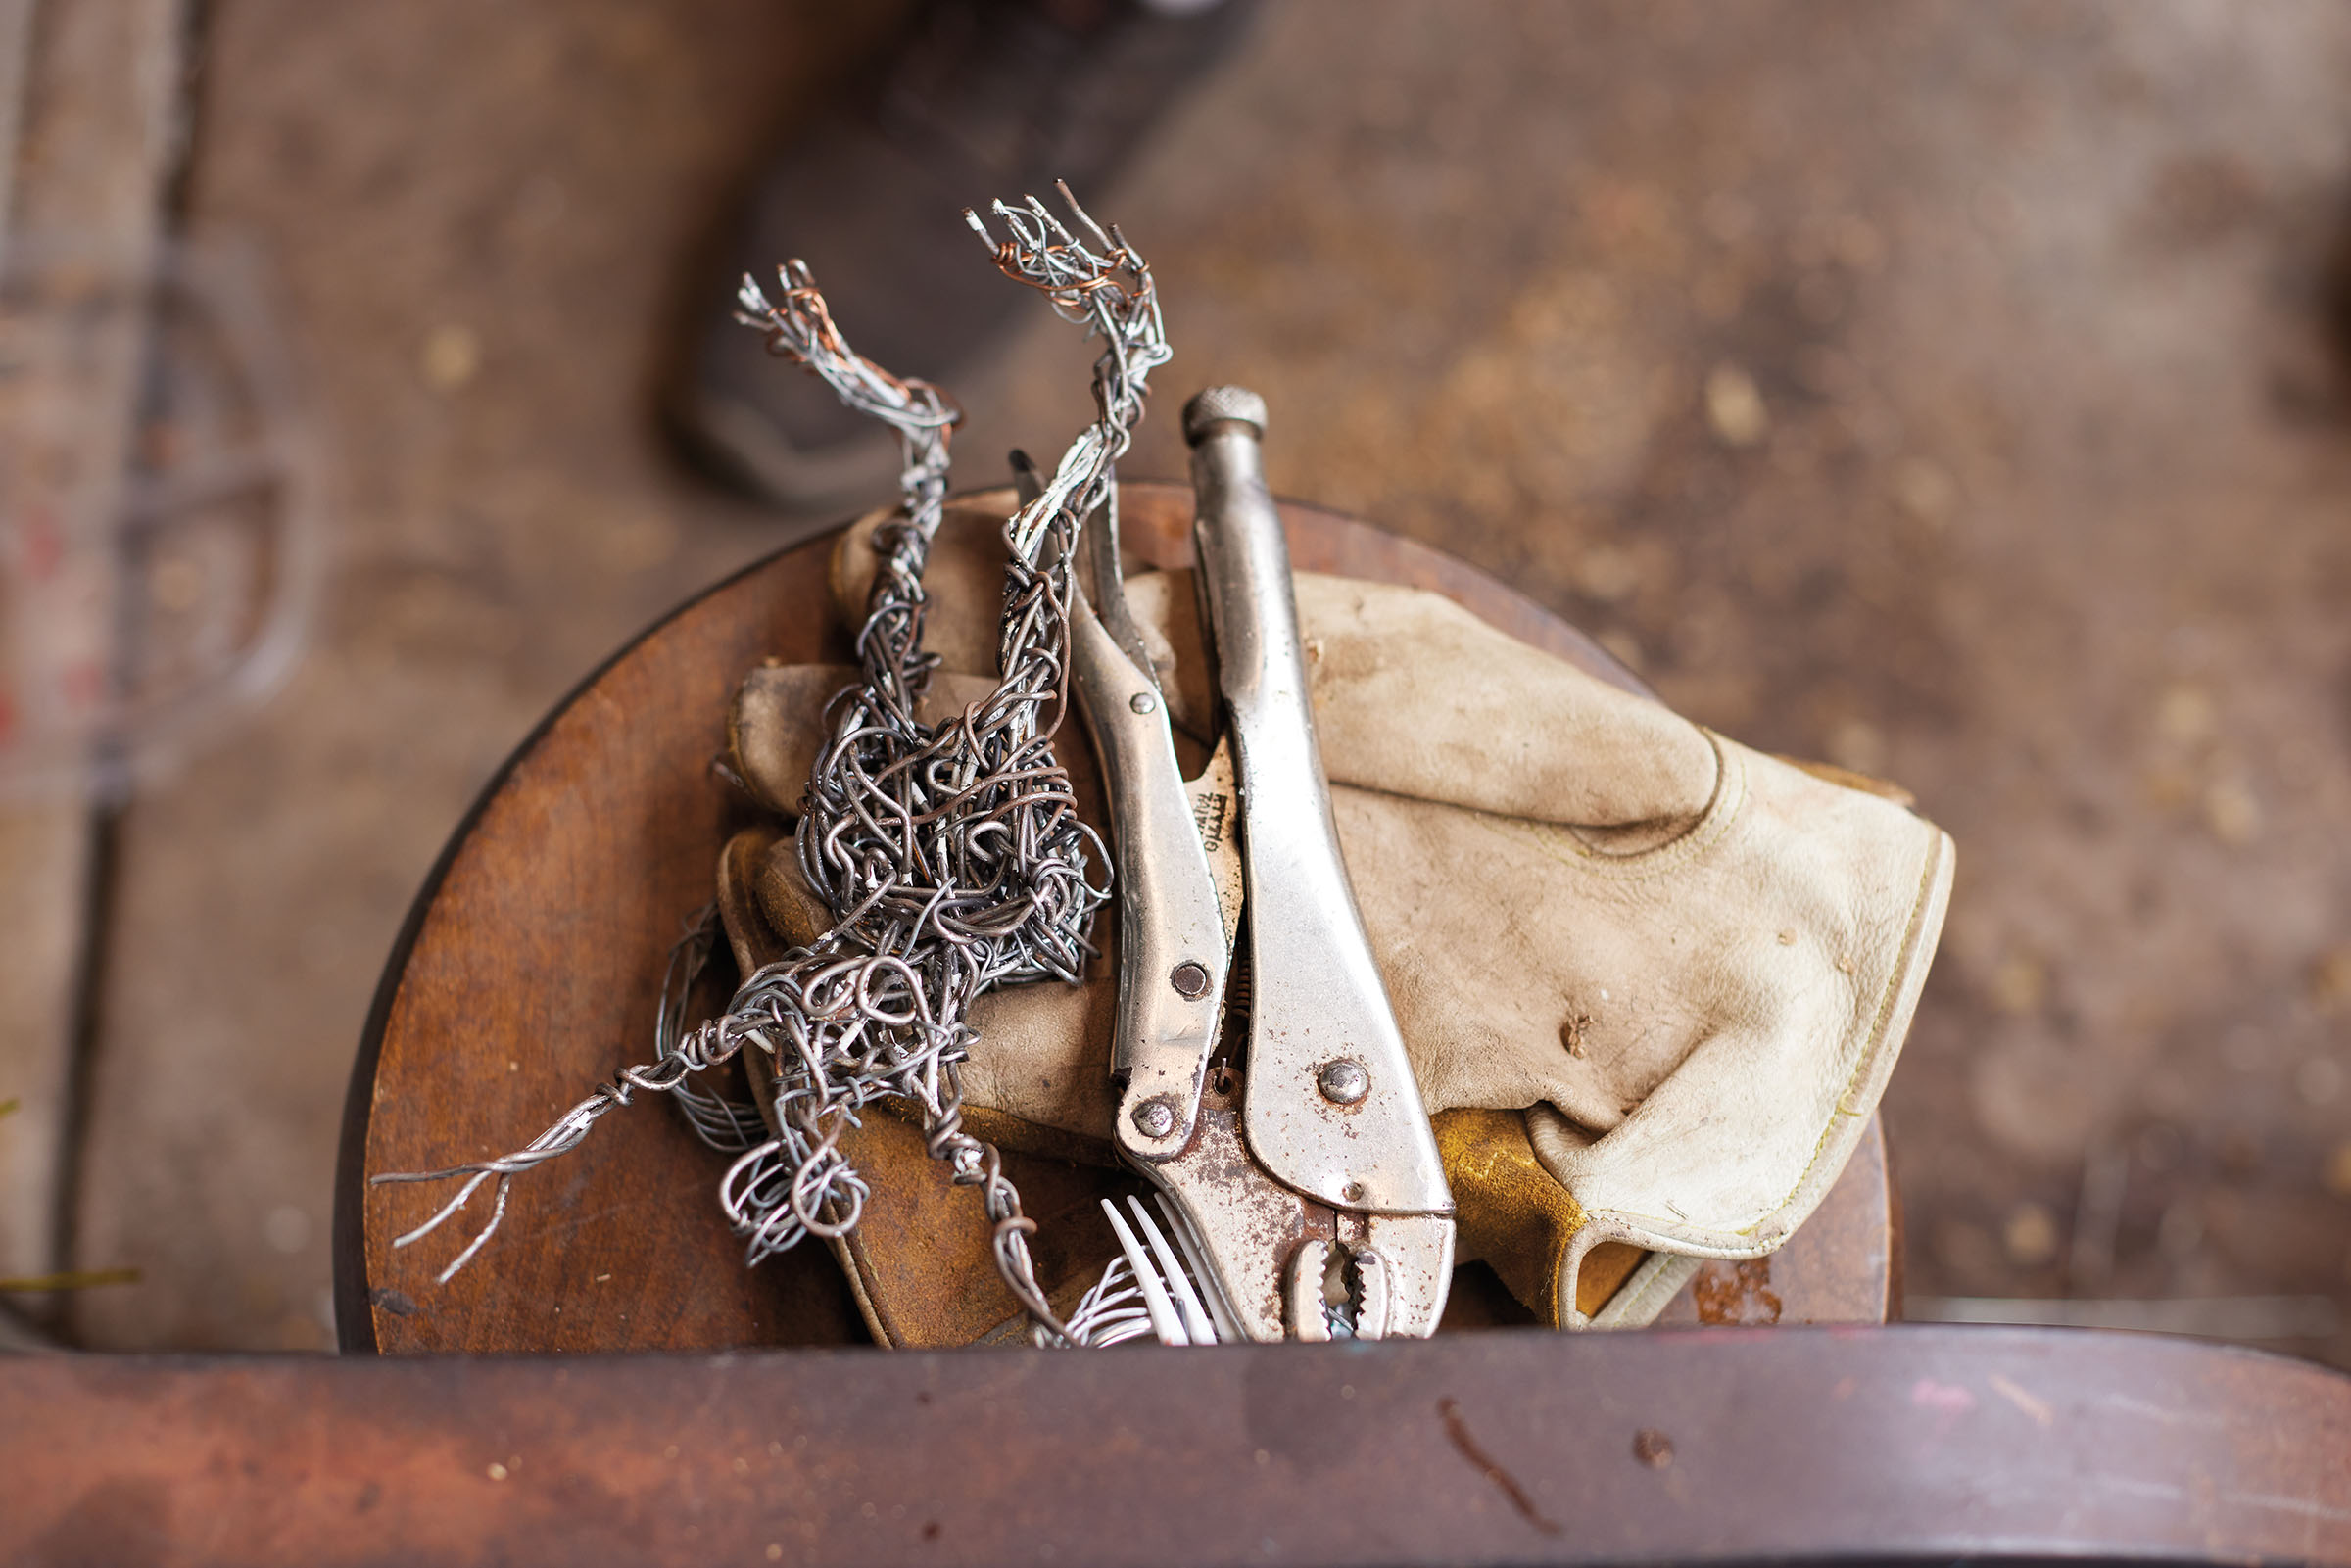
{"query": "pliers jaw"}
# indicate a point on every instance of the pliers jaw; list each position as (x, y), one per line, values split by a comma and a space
(1284, 1266)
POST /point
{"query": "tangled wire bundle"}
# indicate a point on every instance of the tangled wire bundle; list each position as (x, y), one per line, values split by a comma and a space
(951, 856)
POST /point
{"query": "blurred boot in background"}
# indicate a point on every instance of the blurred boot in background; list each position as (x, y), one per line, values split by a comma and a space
(980, 99)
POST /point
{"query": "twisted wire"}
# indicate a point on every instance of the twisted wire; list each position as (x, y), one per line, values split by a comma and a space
(1112, 1310)
(951, 855)
(724, 1121)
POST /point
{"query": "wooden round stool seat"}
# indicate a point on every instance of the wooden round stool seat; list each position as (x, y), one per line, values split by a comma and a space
(530, 968)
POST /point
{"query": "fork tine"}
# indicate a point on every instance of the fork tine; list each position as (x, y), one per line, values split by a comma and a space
(1179, 1285)
(1163, 1316)
(1228, 1332)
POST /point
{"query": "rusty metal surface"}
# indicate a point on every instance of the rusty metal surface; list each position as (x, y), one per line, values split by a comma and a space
(1507, 1447)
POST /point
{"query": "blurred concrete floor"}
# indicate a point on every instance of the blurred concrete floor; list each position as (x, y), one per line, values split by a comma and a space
(1949, 389)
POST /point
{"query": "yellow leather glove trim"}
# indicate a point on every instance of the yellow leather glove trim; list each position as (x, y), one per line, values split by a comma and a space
(1516, 1218)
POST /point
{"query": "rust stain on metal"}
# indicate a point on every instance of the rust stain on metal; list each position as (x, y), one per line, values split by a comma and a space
(1739, 1295)
(1457, 1432)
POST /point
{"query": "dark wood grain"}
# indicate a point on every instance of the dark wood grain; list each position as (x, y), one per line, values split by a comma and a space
(530, 966)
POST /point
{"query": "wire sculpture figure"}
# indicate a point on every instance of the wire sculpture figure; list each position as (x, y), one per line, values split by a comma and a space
(951, 855)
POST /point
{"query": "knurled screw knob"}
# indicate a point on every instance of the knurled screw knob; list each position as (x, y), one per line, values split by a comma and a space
(1216, 404)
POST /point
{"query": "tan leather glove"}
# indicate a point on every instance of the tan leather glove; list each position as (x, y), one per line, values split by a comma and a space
(1651, 981)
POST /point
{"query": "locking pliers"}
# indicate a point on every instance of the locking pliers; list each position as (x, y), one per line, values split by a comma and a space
(1294, 1155)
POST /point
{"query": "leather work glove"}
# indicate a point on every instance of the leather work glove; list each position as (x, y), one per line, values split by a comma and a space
(1651, 981)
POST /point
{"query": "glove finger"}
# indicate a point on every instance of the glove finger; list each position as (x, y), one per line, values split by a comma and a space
(741, 866)
(1417, 696)
(963, 580)
(775, 726)
(1414, 695)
